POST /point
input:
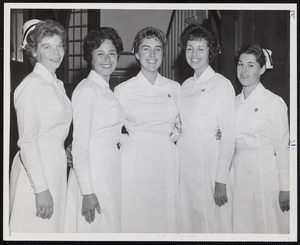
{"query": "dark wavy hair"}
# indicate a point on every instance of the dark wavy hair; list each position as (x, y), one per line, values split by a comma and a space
(95, 38)
(45, 28)
(149, 32)
(197, 32)
(253, 49)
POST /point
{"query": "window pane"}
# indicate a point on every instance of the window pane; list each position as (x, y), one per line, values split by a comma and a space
(77, 19)
(71, 46)
(77, 49)
(84, 18)
(71, 65)
(77, 62)
(84, 32)
(77, 34)
(71, 20)
(70, 34)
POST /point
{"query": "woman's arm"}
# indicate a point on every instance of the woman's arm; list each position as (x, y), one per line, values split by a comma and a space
(28, 100)
(227, 127)
(83, 103)
(280, 141)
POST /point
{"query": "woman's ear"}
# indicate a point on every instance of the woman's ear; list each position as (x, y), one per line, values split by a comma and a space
(137, 56)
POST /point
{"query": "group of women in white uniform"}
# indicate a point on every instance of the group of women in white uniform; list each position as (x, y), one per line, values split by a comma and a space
(228, 171)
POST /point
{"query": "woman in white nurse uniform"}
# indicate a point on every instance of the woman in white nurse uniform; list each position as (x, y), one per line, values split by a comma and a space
(94, 187)
(206, 105)
(38, 177)
(150, 169)
(261, 160)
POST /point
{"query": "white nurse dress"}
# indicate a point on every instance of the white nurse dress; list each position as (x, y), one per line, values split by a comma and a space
(261, 163)
(44, 115)
(150, 168)
(206, 104)
(98, 119)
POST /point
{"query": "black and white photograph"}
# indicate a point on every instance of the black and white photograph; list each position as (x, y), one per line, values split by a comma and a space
(150, 122)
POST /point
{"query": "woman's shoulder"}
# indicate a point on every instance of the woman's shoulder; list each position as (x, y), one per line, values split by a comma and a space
(219, 78)
(223, 84)
(125, 85)
(30, 87)
(84, 88)
(31, 82)
(187, 81)
(275, 99)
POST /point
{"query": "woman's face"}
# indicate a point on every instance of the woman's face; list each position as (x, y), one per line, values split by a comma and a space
(50, 52)
(150, 54)
(249, 70)
(105, 59)
(197, 55)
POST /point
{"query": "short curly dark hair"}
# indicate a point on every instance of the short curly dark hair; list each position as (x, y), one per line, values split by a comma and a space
(197, 32)
(149, 32)
(95, 38)
(45, 28)
(253, 49)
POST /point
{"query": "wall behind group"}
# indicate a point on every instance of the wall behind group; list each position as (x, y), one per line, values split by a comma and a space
(129, 22)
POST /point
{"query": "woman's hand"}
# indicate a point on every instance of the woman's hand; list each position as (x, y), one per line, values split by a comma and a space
(284, 200)
(44, 204)
(89, 203)
(220, 194)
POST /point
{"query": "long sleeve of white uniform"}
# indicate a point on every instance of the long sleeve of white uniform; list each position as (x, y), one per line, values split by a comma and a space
(280, 141)
(83, 113)
(227, 126)
(28, 100)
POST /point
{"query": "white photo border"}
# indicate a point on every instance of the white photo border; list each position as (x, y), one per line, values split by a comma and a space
(153, 237)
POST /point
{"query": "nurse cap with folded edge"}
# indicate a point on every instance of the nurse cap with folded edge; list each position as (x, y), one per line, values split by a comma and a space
(27, 28)
(269, 63)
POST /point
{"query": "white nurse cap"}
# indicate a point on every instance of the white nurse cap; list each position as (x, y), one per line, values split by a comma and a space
(28, 27)
(269, 63)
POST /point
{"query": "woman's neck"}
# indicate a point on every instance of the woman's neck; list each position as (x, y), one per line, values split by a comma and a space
(150, 76)
(52, 71)
(106, 78)
(247, 90)
(199, 72)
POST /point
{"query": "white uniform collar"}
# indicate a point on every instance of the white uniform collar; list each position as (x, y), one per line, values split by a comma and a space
(94, 76)
(43, 71)
(205, 76)
(141, 78)
(257, 94)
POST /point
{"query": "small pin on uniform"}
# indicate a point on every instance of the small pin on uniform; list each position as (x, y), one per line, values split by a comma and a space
(256, 109)
(169, 95)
